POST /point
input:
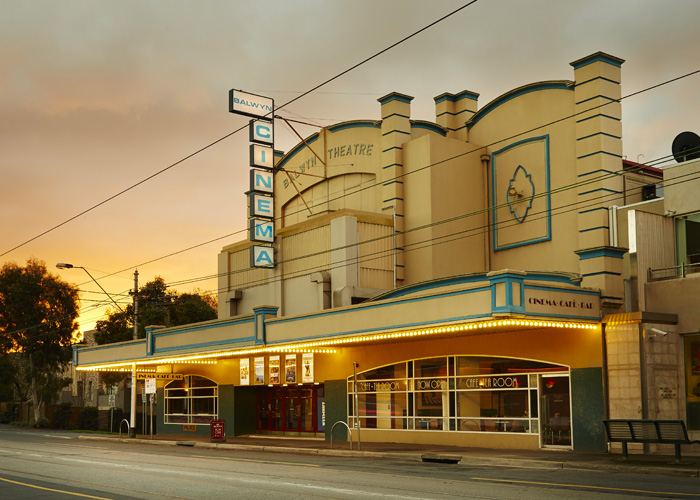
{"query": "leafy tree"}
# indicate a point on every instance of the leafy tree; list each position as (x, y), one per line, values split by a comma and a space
(37, 322)
(7, 379)
(157, 306)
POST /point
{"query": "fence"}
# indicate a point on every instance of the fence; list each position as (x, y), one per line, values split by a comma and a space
(669, 273)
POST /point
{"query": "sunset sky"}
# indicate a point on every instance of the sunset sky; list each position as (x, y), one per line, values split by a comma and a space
(97, 96)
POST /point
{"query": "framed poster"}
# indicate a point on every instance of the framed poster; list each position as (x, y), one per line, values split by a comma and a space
(695, 358)
(274, 369)
(290, 368)
(245, 371)
(307, 367)
(259, 371)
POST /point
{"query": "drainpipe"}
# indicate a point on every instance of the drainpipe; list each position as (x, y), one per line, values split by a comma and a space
(485, 161)
(323, 278)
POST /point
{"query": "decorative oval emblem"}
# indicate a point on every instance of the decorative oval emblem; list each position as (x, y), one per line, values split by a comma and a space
(521, 191)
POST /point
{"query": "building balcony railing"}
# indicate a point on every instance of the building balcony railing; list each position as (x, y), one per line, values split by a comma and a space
(670, 273)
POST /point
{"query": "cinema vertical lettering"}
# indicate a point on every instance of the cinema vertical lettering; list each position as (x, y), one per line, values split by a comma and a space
(261, 208)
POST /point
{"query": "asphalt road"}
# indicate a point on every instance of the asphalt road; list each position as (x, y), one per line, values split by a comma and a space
(36, 465)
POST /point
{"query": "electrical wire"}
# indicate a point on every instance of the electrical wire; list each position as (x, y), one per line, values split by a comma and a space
(217, 141)
(432, 241)
(441, 162)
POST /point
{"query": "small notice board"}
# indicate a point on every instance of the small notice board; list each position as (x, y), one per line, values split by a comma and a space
(218, 431)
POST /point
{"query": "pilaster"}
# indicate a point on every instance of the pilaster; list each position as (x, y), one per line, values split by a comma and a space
(452, 111)
(396, 130)
(598, 130)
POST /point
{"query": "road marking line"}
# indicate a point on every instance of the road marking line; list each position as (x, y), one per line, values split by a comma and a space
(584, 486)
(81, 446)
(51, 489)
(258, 461)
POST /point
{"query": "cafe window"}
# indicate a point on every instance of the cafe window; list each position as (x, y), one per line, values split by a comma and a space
(191, 400)
(456, 393)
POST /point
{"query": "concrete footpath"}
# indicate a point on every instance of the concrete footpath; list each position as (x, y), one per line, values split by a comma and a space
(472, 457)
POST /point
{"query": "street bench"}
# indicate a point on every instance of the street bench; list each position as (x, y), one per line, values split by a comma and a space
(648, 431)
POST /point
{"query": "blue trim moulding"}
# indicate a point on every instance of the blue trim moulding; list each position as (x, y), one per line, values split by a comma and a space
(594, 253)
(371, 305)
(398, 326)
(397, 131)
(470, 278)
(546, 190)
(294, 151)
(227, 342)
(610, 99)
(396, 114)
(597, 228)
(260, 331)
(605, 273)
(333, 129)
(455, 114)
(395, 96)
(598, 57)
(598, 153)
(581, 212)
(600, 171)
(465, 94)
(433, 127)
(508, 280)
(605, 190)
(534, 87)
(354, 124)
(596, 116)
(598, 133)
(597, 78)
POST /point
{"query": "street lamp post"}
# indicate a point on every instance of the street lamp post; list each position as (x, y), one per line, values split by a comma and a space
(132, 422)
(63, 265)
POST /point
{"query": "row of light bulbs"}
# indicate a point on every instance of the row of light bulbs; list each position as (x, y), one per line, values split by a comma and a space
(312, 347)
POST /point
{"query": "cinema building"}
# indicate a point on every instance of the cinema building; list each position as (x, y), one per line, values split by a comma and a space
(477, 273)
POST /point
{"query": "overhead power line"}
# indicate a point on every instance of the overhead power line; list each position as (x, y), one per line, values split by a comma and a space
(415, 246)
(204, 148)
(193, 280)
(441, 162)
(471, 232)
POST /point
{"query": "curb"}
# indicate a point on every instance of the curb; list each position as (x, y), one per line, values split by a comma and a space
(471, 461)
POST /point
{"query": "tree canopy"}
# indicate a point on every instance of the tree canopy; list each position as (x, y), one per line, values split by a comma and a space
(38, 313)
(156, 306)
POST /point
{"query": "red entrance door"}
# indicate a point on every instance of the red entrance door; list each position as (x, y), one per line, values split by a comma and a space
(288, 409)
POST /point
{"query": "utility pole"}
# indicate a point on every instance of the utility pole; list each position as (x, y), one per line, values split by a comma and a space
(132, 420)
(136, 304)
(357, 406)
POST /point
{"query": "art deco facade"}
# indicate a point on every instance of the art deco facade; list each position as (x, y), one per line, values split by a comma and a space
(485, 274)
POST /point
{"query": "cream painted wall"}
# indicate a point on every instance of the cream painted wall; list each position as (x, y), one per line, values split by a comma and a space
(678, 296)
(444, 179)
(681, 186)
(527, 112)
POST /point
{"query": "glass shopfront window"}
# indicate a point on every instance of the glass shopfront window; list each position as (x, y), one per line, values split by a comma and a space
(191, 400)
(461, 393)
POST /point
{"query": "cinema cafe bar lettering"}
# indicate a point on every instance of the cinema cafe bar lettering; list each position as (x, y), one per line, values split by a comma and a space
(581, 304)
